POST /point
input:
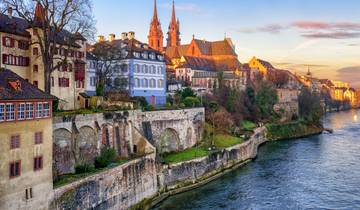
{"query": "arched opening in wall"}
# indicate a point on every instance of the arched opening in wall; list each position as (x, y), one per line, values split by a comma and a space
(63, 152)
(107, 137)
(86, 145)
(189, 134)
(169, 141)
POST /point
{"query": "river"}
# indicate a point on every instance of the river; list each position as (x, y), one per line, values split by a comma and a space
(319, 172)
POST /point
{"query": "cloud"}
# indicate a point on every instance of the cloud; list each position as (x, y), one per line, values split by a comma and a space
(271, 28)
(331, 35)
(350, 74)
(188, 7)
(312, 29)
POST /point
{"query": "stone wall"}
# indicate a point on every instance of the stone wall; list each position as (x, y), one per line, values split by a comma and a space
(172, 130)
(177, 175)
(118, 188)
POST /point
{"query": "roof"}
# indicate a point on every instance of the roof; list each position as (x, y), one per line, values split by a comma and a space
(266, 64)
(19, 26)
(26, 91)
(211, 48)
(198, 63)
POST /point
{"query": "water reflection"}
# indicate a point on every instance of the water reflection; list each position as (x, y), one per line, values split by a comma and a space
(321, 172)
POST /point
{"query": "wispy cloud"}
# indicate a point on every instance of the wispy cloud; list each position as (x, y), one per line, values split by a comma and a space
(312, 29)
(189, 7)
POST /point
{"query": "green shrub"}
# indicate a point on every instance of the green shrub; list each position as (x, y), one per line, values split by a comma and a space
(182, 106)
(84, 168)
(191, 101)
(168, 105)
(107, 156)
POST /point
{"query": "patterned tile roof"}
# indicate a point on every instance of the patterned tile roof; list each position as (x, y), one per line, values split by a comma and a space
(26, 90)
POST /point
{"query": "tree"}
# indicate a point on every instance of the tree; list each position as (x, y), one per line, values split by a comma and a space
(106, 58)
(310, 106)
(278, 78)
(57, 24)
(265, 100)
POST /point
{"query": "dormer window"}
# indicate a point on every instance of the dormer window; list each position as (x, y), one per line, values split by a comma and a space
(144, 55)
(146, 46)
(16, 85)
(136, 55)
(152, 56)
(160, 57)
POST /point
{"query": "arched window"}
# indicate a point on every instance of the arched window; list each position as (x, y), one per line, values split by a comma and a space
(145, 83)
(124, 68)
(145, 69)
(152, 83)
(160, 83)
(137, 83)
(137, 68)
(159, 71)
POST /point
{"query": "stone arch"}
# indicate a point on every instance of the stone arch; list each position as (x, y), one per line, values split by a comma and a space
(169, 141)
(189, 135)
(107, 135)
(63, 153)
(86, 145)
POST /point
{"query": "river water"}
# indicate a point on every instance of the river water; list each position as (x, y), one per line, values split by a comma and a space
(319, 172)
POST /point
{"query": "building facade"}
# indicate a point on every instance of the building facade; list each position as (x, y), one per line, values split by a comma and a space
(141, 70)
(24, 58)
(26, 144)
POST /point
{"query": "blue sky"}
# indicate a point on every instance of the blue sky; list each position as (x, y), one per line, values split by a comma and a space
(292, 34)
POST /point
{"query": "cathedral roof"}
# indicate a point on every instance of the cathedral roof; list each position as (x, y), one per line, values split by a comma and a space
(210, 64)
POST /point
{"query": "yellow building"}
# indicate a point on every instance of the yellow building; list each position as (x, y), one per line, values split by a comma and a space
(23, 58)
(262, 66)
(26, 144)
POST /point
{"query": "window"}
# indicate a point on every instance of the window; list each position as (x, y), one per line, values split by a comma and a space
(8, 42)
(21, 111)
(35, 68)
(38, 138)
(36, 83)
(124, 68)
(39, 110)
(46, 109)
(35, 51)
(2, 112)
(145, 69)
(137, 82)
(10, 112)
(160, 83)
(64, 82)
(137, 68)
(145, 83)
(152, 83)
(28, 193)
(29, 111)
(15, 142)
(38, 163)
(52, 82)
(15, 169)
(24, 45)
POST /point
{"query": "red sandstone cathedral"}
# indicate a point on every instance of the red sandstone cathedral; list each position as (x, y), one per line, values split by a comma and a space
(215, 55)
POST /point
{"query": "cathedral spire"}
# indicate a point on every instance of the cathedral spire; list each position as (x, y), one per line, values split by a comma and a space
(173, 16)
(156, 36)
(174, 29)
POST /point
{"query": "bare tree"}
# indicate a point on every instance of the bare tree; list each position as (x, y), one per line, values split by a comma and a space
(107, 57)
(57, 24)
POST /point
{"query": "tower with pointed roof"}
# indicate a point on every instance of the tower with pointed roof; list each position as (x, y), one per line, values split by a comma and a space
(156, 37)
(174, 30)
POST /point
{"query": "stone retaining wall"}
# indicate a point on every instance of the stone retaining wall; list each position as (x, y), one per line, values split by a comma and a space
(178, 175)
(118, 188)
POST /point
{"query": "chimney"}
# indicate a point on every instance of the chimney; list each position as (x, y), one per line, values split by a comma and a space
(10, 12)
(124, 35)
(111, 37)
(131, 35)
(101, 38)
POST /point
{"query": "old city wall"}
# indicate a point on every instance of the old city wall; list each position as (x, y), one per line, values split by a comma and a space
(118, 188)
(178, 175)
(172, 130)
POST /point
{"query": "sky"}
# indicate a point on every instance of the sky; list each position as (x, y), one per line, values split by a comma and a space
(323, 35)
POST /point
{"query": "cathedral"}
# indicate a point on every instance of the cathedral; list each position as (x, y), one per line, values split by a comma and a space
(198, 55)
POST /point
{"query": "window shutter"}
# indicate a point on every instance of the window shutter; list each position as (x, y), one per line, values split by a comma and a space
(12, 43)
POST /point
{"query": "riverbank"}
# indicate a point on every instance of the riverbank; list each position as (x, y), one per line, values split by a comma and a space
(185, 176)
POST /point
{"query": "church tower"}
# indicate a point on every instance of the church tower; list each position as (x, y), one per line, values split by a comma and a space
(156, 37)
(174, 30)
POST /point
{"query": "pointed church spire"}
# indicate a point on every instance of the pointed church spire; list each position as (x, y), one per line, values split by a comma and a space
(155, 17)
(155, 37)
(174, 29)
(39, 16)
(173, 16)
